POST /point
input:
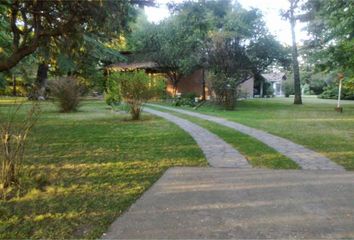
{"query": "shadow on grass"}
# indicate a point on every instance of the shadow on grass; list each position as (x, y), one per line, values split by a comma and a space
(80, 173)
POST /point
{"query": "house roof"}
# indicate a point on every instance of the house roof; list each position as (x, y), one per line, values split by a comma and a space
(274, 77)
(133, 66)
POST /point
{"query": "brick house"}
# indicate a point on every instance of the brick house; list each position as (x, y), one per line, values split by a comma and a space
(192, 83)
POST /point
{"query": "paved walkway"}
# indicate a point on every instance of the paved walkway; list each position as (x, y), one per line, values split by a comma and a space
(215, 203)
(306, 158)
(217, 152)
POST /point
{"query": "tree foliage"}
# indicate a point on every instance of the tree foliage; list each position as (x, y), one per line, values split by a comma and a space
(135, 88)
(291, 15)
(170, 46)
(241, 49)
(331, 46)
(28, 25)
(216, 34)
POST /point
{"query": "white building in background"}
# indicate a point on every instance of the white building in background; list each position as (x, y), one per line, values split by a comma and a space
(277, 81)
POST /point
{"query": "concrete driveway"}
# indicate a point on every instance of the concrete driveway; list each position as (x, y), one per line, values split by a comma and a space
(196, 203)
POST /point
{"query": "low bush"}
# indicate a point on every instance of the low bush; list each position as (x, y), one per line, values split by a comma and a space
(269, 92)
(288, 87)
(112, 95)
(225, 89)
(331, 92)
(135, 88)
(66, 92)
(186, 99)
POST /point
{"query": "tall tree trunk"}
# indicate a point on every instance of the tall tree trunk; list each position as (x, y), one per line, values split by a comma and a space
(297, 83)
(105, 80)
(174, 79)
(42, 75)
(174, 93)
(203, 85)
(14, 93)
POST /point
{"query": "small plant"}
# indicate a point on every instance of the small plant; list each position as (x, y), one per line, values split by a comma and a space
(67, 92)
(112, 95)
(225, 89)
(269, 91)
(135, 88)
(13, 133)
(288, 87)
(186, 99)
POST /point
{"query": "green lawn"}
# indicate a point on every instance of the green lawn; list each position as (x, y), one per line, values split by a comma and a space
(257, 153)
(88, 168)
(314, 124)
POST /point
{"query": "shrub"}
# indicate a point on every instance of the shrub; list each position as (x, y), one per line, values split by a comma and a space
(331, 92)
(288, 87)
(269, 92)
(112, 95)
(67, 92)
(13, 135)
(225, 90)
(189, 95)
(184, 102)
(186, 99)
(112, 99)
(317, 83)
(305, 89)
(135, 88)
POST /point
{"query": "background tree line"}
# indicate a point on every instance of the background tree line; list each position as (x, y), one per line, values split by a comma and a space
(78, 38)
(231, 42)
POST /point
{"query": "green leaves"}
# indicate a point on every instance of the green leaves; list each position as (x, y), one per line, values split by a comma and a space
(331, 26)
(65, 64)
(135, 88)
(231, 39)
(38, 25)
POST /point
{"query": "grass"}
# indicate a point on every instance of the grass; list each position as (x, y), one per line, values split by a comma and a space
(83, 169)
(258, 154)
(314, 124)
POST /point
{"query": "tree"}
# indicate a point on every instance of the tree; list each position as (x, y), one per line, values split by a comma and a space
(198, 18)
(216, 34)
(229, 67)
(331, 27)
(84, 57)
(30, 24)
(178, 43)
(290, 15)
(241, 49)
(167, 45)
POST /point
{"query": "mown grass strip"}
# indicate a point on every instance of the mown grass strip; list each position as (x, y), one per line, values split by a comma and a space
(257, 153)
(314, 124)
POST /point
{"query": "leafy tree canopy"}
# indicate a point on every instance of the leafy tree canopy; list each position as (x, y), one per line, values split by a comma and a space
(182, 43)
(28, 25)
(331, 25)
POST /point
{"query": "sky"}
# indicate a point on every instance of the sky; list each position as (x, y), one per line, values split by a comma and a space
(270, 9)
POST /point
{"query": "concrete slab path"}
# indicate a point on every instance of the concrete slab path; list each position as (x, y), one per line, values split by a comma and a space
(306, 158)
(214, 203)
(217, 151)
